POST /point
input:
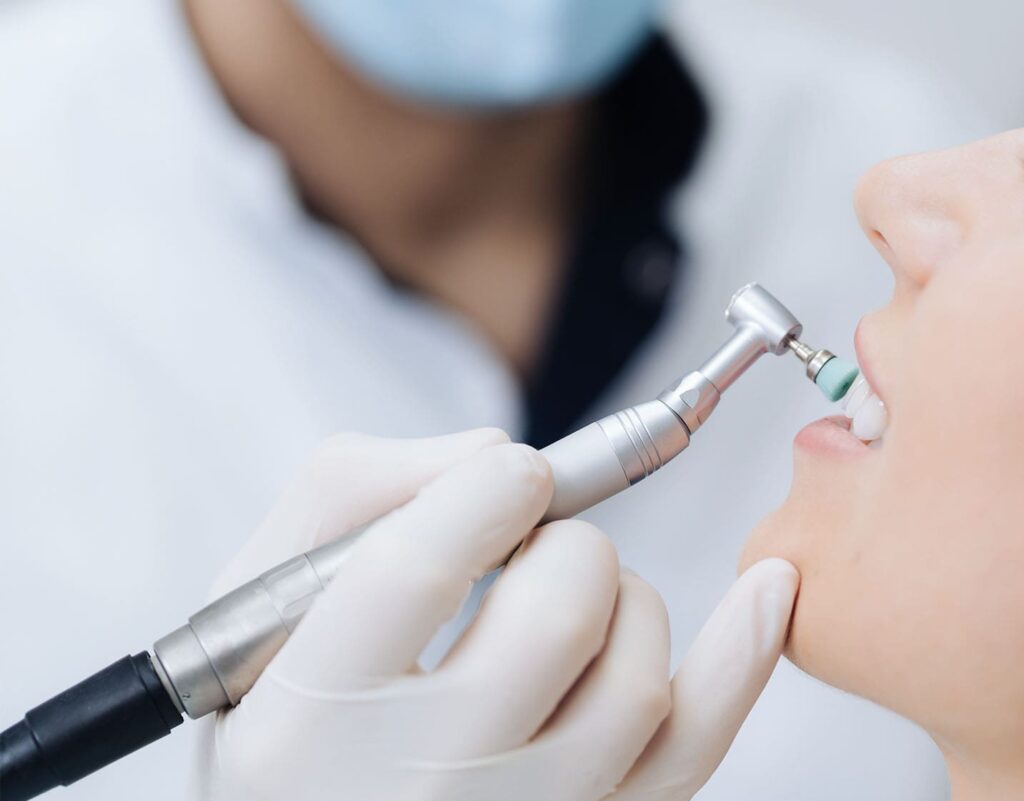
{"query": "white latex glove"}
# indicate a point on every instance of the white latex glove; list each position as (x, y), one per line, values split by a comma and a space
(558, 689)
(716, 685)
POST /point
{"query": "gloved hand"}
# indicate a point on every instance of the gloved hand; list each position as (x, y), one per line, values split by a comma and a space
(557, 691)
(714, 688)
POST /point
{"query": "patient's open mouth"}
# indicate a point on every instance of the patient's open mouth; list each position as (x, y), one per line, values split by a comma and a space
(831, 436)
(854, 433)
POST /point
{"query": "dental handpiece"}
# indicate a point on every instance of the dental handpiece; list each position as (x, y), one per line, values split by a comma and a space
(213, 660)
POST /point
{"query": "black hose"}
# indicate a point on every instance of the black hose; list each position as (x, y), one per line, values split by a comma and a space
(109, 715)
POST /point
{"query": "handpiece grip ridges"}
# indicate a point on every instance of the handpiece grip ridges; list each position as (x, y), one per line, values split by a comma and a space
(215, 659)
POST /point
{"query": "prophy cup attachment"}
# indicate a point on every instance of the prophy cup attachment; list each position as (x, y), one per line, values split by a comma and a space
(832, 375)
(764, 325)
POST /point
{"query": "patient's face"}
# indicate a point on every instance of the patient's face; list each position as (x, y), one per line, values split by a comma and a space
(912, 554)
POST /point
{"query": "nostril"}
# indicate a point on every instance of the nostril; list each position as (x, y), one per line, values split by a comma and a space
(878, 240)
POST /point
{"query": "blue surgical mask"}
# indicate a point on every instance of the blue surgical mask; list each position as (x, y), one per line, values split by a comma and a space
(483, 52)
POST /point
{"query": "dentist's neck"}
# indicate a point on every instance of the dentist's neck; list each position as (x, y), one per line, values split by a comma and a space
(471, 208)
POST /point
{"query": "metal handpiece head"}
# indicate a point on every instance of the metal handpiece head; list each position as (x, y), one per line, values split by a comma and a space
(763, 325)
(755, 307)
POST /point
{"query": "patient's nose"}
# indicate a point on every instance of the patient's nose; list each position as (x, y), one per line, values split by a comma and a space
(907, 209)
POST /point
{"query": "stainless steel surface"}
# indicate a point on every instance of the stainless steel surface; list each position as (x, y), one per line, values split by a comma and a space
(181, 659)
(608, 456)
(755, 306)
(693, 398)
(645, 438)
(763, 325)
(735, 357)
(586, 469)
(817, 361)
(216, 658)
(803, 352)
(813, 359)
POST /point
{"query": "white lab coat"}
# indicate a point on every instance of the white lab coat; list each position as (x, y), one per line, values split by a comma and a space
(176, 335)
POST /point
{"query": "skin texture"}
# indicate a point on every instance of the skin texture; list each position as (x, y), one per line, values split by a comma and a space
(911, 554)
(468, 207)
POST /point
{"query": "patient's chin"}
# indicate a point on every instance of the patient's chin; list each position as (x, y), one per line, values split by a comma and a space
(768, 539)
(772, 537)
(801, 529)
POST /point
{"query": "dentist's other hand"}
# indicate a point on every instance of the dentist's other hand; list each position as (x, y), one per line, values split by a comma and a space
(553, 692)
(716, 685)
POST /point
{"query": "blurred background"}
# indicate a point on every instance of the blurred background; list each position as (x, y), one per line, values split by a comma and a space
(968, 51)
(179, 327)
(970, 48)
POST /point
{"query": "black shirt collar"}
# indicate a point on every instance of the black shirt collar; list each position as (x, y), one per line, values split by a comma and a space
(624, 256)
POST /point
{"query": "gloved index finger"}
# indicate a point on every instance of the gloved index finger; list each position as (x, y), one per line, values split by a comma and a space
(351, 479)
(716, 685)
(411, 570)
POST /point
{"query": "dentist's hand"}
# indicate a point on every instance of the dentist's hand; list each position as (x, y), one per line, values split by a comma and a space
(717, 683)
(558, 690)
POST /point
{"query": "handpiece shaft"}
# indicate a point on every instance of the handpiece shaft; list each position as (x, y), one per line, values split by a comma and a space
(214, 660)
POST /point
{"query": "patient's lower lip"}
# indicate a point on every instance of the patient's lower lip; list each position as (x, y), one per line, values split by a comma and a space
(830, 437)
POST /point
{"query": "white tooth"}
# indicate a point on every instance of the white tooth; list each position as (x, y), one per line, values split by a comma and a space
(870, 419)
(856, 396)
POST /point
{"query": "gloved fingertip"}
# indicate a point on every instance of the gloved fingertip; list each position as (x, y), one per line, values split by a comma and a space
(772, 585)
(447, 450)
(774, 572)
(487, 436)
(523, 462)
(469, 441)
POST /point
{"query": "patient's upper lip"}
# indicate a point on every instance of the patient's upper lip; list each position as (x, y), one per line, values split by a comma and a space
(861, 344)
